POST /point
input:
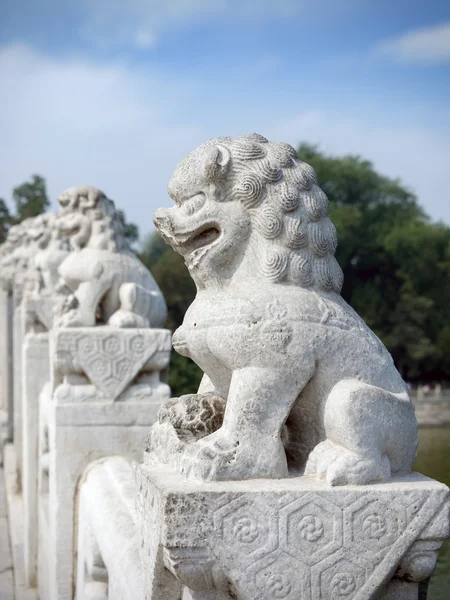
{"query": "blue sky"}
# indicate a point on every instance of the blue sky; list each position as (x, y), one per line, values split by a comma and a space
(113, 93)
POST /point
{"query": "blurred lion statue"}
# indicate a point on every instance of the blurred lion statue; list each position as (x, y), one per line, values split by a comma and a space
(107, 283)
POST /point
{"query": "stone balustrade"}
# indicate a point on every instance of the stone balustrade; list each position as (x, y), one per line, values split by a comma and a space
(287, 475)
(87, 375)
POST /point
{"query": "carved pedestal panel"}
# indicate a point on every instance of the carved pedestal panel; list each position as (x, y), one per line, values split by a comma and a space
(106, 389)
(288, 539)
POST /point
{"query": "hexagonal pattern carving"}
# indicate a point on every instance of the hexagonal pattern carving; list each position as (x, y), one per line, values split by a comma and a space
(374, 525)
(88, 346)
(109, 358)
(281, 578)
(246, 530)
(338, 578)
(112, 345)
(310, 529)
(101, 367)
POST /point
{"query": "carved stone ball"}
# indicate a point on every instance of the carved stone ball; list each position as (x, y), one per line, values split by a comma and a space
(193, 414)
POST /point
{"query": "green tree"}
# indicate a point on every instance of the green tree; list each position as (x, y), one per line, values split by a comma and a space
(395, 261)
(172, 276)
(5, 220)
(131, 231)
(30, 199)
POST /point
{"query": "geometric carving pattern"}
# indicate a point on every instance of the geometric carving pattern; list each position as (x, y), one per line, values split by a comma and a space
(311, 528)
(310, 543)
(110, 358)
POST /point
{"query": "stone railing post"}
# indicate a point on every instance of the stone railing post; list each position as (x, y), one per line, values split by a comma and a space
(108, 365)
(289, 474)
(106, 393)
(35, 374)
(18, 338)
(6, 359)
(4, 350)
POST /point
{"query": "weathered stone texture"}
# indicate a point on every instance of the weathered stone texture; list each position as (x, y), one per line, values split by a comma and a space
(291, 538)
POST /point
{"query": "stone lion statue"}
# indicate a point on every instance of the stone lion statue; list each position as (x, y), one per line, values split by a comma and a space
(18, 251)
(107, 282)
(304, 383)
(49, 251)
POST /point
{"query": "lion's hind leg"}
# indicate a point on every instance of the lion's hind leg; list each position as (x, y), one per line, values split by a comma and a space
(370, 433)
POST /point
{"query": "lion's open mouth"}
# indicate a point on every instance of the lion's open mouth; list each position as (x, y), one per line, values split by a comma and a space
(202, 238)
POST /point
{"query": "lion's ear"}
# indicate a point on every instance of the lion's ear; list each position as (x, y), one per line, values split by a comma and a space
(216, 163)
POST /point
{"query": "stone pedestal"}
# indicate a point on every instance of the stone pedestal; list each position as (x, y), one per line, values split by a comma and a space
(9, 368)
(288, 539)
(4, 350)
(18, 336)
(35, 373)
(106, 393)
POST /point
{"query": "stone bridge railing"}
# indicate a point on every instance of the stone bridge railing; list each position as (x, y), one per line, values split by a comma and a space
(287, 476)
(76, 389)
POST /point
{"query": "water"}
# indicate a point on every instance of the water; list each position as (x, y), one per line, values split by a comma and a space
(434, 460)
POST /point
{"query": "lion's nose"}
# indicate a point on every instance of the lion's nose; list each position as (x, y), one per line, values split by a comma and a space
(163, 222)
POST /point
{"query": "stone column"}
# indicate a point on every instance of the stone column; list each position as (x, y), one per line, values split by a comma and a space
(18, 335)
(35, 373)
(106, 392)
(4, 350)
(10, 365)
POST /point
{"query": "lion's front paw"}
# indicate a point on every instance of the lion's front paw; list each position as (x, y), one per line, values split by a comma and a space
(221, 457)
(339, 466)
(211, 458)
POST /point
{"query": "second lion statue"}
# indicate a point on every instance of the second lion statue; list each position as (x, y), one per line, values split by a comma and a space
(294, 379)
(104, 280)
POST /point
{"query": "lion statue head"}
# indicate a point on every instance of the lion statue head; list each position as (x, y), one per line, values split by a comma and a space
(246, 196)
(89, 219)
(22, 245)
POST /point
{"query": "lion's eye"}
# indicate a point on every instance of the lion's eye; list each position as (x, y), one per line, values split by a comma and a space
(193, 204)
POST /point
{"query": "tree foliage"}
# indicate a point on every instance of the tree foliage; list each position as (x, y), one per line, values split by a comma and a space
(30, 199)
(395, 261)
(396, 264)
(172, 276)
(130, 230)
(5, 220)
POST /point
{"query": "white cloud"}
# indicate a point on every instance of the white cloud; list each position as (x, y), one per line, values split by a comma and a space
(145, 39)
(116, 22)
(417, 155)
(76, 122)
(425, 45)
